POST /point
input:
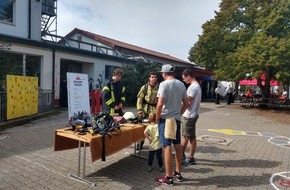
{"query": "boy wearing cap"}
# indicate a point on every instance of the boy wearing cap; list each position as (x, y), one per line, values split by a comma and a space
(172, 102)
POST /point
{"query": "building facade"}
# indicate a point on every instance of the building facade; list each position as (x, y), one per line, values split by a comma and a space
(31, 48)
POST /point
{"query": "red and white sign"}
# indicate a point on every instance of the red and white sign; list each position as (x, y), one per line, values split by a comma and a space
(78, 94)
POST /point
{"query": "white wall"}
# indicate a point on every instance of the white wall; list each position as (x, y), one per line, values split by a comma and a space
(20, 26)
(90, 65)
(63, 55)
(100, 68)
(36, 20)
(94, 67)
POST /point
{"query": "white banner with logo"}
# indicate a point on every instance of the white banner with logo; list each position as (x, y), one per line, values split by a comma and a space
(78, 95)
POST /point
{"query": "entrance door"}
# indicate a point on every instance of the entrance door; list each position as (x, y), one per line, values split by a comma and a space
(67, 66)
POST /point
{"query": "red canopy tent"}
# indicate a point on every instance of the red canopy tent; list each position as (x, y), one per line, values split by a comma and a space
(253, 82)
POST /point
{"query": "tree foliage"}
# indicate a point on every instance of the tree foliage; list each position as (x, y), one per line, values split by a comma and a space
(135, 76)
(247, 36)
(10, 64)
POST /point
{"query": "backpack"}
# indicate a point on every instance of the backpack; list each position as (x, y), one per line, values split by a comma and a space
(104, 124)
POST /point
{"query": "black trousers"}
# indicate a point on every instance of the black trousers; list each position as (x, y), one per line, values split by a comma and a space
(217, 98)
(229, 96)
(158, 156)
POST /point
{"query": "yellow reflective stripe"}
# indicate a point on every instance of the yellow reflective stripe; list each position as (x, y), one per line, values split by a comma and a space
(112, 93)
(109, 101)
(123, 98)
(112, 111)
(106, 88)
(123, 89)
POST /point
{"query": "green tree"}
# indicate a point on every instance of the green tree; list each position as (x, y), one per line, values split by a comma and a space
(136, 75)
(247, 36)
(9, 63)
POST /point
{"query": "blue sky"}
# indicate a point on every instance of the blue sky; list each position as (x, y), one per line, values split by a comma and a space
(167, 26)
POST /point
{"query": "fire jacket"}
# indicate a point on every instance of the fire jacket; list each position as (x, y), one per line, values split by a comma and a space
(113, 94)
(147, 98)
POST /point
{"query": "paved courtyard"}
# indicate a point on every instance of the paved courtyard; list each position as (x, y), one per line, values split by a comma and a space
(237, 149)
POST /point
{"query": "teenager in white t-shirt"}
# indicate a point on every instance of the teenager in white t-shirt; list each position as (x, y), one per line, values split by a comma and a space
(190, 116)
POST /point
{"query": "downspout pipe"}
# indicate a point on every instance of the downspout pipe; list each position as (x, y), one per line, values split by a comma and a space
(53, 76)
(29, 19)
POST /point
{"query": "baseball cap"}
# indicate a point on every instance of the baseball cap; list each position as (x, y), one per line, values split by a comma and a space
(167, 69)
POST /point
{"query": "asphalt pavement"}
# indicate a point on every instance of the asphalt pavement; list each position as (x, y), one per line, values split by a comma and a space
(237, 149)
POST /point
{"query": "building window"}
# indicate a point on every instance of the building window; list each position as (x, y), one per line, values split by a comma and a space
(6, 10)
(49, 7)
(79, 38)
(12, 64)
(33, 66)
(109, 71)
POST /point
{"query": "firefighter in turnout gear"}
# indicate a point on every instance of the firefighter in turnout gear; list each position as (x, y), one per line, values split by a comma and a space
(114, 94)
(147, 99)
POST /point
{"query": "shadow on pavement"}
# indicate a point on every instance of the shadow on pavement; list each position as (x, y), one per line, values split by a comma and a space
(129, 172)
(250, 163)
(227, 181)
(203, 110)
(213, 149)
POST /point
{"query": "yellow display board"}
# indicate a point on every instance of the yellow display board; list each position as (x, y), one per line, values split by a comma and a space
(22, 96)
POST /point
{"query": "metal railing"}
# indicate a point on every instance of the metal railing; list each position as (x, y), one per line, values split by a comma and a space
(3, 105)
(47, 37)
(45, 102)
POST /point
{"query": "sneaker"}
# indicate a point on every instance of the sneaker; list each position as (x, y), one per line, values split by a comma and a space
(161, 169)
(177, 176)
(190, 161)
(149, 169)
(164, 180)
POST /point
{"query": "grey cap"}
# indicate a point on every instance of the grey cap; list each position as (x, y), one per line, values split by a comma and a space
(167, 69)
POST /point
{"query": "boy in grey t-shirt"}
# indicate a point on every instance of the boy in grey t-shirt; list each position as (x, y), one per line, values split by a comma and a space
(172, 102)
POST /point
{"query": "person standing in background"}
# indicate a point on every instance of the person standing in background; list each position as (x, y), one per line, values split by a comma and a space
(229, 92)
(284, 93)
(217, 94)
